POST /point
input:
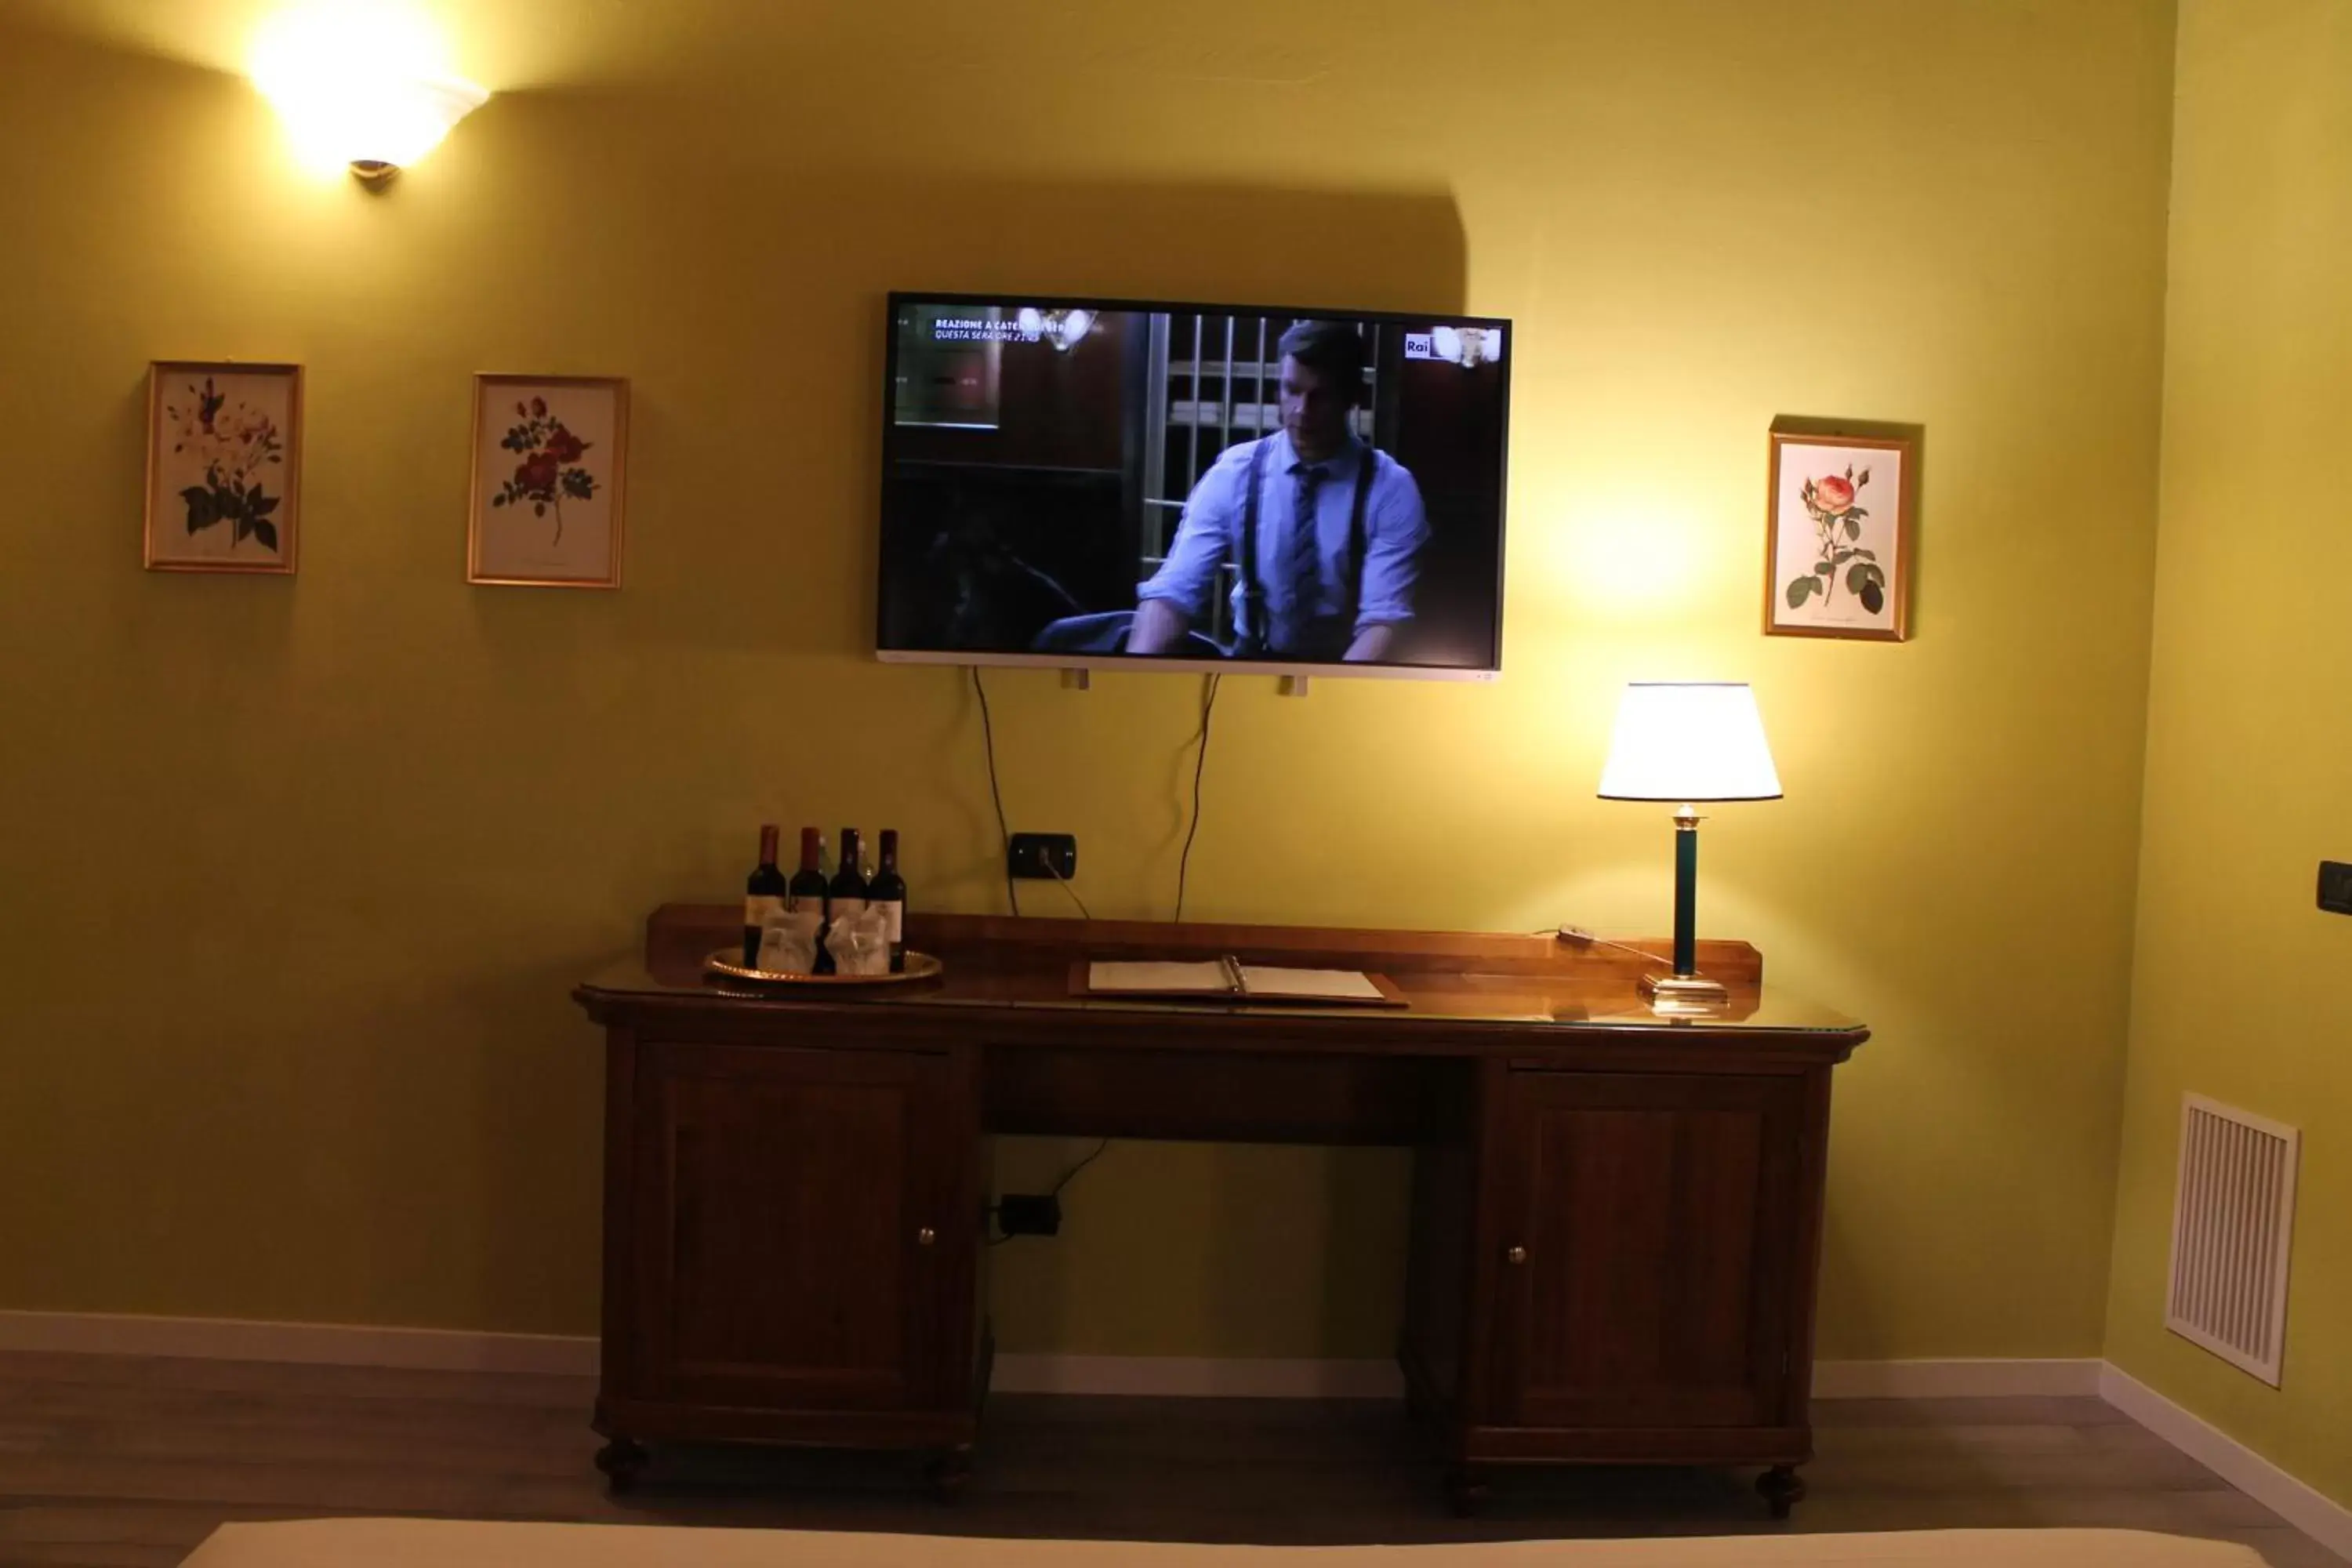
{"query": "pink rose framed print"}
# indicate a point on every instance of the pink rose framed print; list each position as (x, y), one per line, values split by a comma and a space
(223, 453)
(1837, 551)
(549, 456)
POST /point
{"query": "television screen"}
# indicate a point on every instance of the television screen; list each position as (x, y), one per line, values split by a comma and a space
(1101, 482)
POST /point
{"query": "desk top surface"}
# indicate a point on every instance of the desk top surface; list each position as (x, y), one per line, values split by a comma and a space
(1453, 978)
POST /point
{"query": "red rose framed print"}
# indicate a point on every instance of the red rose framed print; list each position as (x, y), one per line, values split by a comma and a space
(224, 452)
(1837, 550)
(548, 455)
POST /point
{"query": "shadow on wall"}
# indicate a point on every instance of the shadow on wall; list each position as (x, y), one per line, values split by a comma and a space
(744, 298)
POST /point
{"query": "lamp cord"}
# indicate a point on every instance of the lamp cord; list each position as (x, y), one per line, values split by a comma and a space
(1003, 833)
(1100, 1145)
(1583, 938)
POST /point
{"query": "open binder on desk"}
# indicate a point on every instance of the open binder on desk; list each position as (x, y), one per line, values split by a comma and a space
(1231, 979)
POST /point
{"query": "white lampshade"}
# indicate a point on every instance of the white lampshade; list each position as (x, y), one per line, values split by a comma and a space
(1689, 741)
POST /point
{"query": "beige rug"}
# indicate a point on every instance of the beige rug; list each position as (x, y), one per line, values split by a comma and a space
(461, 1543)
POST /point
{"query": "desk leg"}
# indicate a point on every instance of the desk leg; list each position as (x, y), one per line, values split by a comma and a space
(622, 1460)
(1782, 1489)
(949, 1470)
(1465, 1489)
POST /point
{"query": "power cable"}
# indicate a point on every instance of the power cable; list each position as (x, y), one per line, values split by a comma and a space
(1003, 833)
(1208, 685)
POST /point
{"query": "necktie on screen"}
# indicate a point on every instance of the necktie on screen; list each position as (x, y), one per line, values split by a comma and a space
(1305, 573)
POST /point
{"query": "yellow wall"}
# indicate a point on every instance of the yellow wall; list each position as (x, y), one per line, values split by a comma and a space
(298, 874)
(2239, 990)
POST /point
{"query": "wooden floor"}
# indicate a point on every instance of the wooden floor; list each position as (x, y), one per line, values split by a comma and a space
(118, 1460)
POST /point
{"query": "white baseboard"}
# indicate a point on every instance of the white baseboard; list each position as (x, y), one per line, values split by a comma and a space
(1199, 1376)
(2321, 1517)
(345, 1345)
(1196, 1376)
(1970, 1379)
(308, 1344)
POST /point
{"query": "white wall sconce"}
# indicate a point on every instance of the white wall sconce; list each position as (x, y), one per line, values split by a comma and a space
(357, 87)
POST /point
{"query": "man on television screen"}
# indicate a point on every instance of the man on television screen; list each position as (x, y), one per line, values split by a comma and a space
(1323, 529)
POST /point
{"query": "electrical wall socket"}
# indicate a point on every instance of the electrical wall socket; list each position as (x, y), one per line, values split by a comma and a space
(1043, 856)
(1029, 1214)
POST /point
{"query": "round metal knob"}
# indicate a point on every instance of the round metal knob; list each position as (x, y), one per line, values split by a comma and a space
(926, 1235)
(1517, 1255)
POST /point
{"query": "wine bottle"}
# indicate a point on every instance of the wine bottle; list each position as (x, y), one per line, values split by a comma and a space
(804, 894)
(763, 896)
(846, 894)
(888, 892)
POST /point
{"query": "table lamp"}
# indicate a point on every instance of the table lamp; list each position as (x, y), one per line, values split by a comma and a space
(1687, 742)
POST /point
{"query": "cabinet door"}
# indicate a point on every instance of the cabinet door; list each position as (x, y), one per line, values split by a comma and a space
(1648, 1227)
(796, 1246)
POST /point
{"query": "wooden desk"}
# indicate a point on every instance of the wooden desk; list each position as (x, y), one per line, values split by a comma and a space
(1615, 1223)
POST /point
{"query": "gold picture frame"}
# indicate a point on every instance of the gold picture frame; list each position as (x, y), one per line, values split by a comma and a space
(224, 467)
(1838, 535)
(543, 444)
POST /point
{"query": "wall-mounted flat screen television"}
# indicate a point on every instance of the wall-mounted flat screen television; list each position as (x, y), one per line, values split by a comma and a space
(1101, 482)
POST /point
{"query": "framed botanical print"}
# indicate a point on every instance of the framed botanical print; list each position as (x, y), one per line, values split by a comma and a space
(224, 467)
(1837, 552)
(550, 454)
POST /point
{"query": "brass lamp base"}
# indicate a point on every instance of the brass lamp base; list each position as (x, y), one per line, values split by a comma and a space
(1683, 993)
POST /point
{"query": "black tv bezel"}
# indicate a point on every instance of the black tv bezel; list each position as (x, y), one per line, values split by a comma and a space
(1115, 662)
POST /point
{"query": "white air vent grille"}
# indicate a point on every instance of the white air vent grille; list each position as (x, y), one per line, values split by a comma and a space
(2232, 1219)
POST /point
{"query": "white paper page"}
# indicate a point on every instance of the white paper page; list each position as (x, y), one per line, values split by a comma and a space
(1113, 977)
(1260, 980)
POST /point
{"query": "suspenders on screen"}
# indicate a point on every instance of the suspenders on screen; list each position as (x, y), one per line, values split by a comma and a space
(1249, 638)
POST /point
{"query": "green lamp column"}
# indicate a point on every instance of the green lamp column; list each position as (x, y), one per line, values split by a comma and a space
(1687, 742)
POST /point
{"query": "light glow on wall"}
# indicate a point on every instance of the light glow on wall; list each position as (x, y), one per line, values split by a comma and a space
(360, 84)
(1628, 558)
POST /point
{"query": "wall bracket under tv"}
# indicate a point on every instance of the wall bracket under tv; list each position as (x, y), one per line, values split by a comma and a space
(1081, 484)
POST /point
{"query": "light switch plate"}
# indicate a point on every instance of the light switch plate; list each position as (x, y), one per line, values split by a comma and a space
(2335, 887)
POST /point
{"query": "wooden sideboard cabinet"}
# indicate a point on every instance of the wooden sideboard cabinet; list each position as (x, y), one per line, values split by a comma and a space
(789, 1243)
(1615, 1227)
(1639, 1284)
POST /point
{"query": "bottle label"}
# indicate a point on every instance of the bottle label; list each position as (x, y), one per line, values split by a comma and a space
(844, 908)
(761, 907)
(894, 921)
(812, 902)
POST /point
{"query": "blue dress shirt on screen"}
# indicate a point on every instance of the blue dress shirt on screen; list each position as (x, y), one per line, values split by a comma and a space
(1316, 612)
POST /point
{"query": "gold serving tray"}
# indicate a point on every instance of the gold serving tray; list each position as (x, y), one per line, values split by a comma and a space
(919, 966)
